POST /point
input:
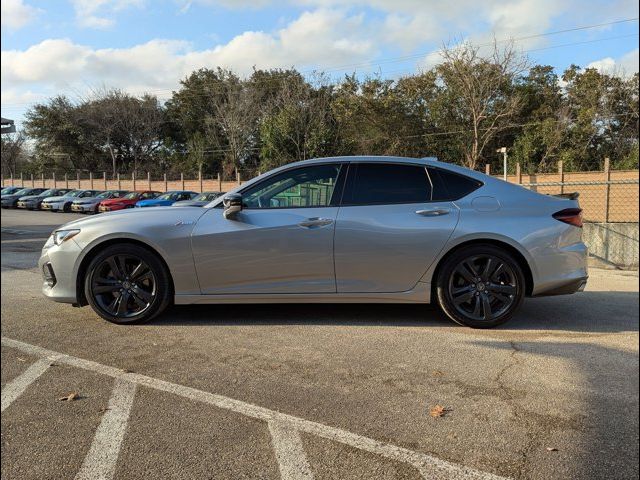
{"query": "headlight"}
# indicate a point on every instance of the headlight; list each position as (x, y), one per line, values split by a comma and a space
(60, 236)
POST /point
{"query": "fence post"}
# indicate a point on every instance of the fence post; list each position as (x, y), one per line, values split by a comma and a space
(21, 180)
(487, 169)
(237, 177)
(133, 179)
(561, 173)
(607, 191)
(518, 174)
(118, 178)
(91, 180)
(165, 182)
(181, 181)
(55, 183)
(148, 180)
(78, 178)
(66, 180)
(219, 182)
(104, 178)
(42, 179)
(200, 178)
(33, 182)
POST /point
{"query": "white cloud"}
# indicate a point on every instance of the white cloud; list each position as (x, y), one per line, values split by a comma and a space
(99, 14)
(323, 38)
(623, 66)
(15, 14)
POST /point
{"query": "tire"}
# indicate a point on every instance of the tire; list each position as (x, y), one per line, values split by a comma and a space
(472, 296)
(129, 273)
(66, 208)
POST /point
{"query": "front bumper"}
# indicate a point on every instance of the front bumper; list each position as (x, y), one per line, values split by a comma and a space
(28, 205)
(83, 208)
(110, 208)
(57, 266)
(52, 207)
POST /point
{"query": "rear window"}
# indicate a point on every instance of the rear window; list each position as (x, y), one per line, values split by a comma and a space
(380, 183)
(451, 186)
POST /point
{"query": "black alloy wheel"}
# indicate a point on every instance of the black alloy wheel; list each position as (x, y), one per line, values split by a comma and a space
(480, 286)
(127, 284)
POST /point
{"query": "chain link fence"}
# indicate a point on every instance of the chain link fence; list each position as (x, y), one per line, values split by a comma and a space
(609, 198)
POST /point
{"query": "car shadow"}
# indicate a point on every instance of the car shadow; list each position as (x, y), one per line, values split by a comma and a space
(605, 430)
(595, 311)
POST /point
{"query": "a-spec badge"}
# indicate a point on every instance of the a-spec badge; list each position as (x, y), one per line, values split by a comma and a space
(183, 222)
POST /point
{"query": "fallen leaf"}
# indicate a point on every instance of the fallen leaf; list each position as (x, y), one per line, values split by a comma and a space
(20, 359)
(126, 370)
(552, 449)
(437, 373)
(438, 411)
(70, 397)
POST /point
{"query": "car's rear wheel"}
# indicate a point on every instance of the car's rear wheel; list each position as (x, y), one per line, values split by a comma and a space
(127, 284)
(480, 286)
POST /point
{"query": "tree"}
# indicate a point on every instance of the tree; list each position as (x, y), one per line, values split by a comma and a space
(60, 137)
(298, 123)
(477, 100)
(13, 153)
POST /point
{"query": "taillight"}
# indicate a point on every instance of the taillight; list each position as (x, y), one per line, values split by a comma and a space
(572, 216)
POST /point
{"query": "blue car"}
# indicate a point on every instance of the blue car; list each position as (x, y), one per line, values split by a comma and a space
(167, 199)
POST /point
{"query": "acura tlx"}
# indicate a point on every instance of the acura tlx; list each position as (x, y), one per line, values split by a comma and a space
(329, 230)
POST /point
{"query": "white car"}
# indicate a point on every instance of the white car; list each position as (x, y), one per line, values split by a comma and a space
(63, 203)
(90, 204)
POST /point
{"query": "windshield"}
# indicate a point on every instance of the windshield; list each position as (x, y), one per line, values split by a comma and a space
(47, 193)
(206, 197)
(24, 191)
(73, 193)
(131, 196)
(104, 195)
(167, 196)
(8, 190)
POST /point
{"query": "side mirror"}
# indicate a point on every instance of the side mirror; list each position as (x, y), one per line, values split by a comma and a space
(232, 204)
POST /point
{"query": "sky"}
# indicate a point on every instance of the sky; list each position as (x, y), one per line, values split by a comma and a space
(74, 47)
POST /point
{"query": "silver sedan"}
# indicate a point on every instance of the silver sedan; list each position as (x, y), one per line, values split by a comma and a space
(343, 229)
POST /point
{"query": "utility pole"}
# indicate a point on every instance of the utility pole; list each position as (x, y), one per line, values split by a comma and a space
(503, 150)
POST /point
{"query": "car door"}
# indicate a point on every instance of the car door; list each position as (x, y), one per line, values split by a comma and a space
(281, 241)
(389, 228)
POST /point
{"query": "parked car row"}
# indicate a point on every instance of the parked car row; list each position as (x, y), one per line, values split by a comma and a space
(95, 201)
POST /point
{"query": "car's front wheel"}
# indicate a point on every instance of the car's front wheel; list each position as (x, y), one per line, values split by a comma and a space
(480, 286)
(126, 283)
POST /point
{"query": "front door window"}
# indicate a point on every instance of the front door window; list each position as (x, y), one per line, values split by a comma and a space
(305, 187)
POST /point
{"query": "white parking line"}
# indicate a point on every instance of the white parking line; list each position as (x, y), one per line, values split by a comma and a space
(18, 385)
(100, 462)
(289, 451)
(429, 466)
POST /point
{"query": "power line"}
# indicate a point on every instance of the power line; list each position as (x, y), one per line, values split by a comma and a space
(273, 79)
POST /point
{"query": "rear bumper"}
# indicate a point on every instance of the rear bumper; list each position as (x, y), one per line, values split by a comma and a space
(562, 271)
(571, 286)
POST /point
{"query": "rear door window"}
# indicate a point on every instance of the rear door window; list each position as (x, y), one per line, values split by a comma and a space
(449, 186)
(385, 183)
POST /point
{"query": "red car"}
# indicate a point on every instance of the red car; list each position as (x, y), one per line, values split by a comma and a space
(128, 201)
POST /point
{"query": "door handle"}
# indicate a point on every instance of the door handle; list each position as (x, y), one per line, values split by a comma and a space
(315, 222)
(433, 212)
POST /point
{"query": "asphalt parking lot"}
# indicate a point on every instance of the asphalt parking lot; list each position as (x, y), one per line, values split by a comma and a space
(314, 391)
